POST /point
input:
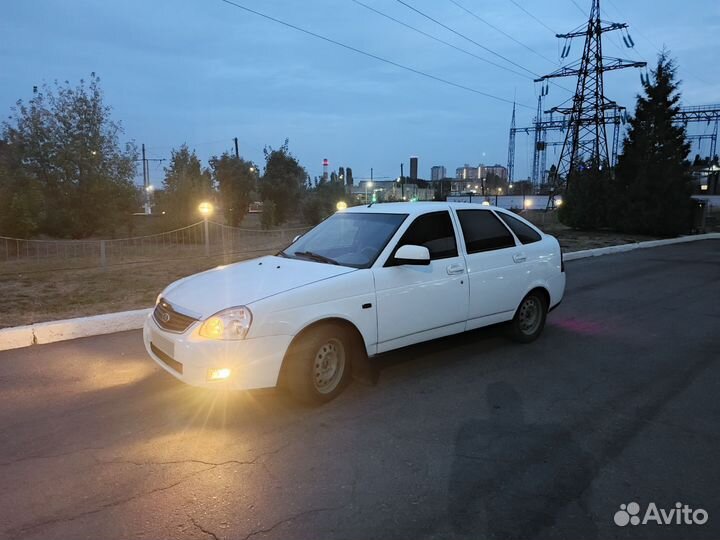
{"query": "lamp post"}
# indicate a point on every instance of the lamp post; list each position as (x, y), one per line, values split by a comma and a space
(206, 209)
(148, 198)
(367, 184)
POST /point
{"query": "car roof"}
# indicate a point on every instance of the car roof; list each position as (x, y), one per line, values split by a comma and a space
(414, 208)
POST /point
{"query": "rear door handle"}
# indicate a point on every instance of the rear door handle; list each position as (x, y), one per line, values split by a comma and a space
(454, 269)
(519, 257)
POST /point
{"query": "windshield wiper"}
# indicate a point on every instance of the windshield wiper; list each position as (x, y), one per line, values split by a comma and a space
(316, 257)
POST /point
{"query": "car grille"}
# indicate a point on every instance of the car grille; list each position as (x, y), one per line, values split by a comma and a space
(166, 359)
(169, 319)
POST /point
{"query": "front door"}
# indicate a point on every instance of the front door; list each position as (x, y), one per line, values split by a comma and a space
(416, 302)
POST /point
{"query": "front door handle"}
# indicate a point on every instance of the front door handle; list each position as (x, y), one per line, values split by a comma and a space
(454, 269)
(519, 257)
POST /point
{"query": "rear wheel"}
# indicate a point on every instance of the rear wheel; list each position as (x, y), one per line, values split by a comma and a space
(529, 319)
(320, 364)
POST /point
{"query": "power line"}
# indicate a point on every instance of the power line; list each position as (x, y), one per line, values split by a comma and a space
(533, 16)
(483, 47)
(473, 14)
(579, 8)
(656, 48)
(398, 21)
(369, 55)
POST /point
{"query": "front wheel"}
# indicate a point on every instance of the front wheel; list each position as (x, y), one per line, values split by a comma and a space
(529, 320)
(320, 364)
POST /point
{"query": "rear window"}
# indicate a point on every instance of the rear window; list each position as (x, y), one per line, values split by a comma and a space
(526, 234)
(483, 231)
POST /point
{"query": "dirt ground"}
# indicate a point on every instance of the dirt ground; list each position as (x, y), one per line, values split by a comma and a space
(35, 296)
(51, 295)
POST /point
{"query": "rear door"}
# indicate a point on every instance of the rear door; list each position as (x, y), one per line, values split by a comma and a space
(496, 267)
(416, 302)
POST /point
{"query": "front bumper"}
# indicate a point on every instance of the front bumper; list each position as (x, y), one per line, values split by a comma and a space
(255, 362)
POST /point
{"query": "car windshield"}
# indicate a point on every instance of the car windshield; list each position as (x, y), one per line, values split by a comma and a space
(349, 239)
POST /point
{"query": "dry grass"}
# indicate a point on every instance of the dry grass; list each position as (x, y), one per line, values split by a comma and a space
(574, 240)
(32, 294)
(50, 295)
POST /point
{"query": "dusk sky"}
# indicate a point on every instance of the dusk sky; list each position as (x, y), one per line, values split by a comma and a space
(203, 72)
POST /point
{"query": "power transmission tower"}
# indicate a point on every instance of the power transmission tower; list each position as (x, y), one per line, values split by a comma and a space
(511, 148)
(708, 114)
(539, 143)
(586, 141)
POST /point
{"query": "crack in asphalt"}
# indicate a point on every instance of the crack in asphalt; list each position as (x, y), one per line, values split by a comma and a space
(252, 461)
(209, 467)
(52, 456)
(293, 518)
(203, 529)
(105, 506)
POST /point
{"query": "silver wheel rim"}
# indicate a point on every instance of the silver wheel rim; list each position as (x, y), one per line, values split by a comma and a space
(328, 366)
(529, 315)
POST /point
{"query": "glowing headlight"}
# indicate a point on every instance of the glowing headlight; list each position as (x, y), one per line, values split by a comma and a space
(232, 323)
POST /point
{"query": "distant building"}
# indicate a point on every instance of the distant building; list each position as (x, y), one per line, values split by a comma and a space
(496, 169)
(438, 172)
(392, 190)
(466, 172)
(413, 167)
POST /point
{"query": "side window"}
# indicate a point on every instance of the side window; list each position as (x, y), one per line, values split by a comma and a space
(435, 232)
(483, 231)
(526, 235)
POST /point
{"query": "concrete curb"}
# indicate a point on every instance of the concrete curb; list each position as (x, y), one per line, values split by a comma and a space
(50, 332)
(584, 254)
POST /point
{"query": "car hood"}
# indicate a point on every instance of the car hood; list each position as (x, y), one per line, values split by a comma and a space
(243, 283)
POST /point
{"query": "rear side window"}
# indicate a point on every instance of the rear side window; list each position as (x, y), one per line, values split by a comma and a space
(526, 235)
(483, 231)
(435, 232)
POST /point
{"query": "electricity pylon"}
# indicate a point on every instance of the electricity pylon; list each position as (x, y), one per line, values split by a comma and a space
(586, 141)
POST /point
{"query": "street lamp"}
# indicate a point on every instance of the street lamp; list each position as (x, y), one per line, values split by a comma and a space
(206, 209)
(367, 185)
(341, 205)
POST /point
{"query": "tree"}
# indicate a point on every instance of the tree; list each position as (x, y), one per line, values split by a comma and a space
(185, 186)
(235, 179)
(322, 201)
(69, 174)
(283, 182)
(267, 218)
(653, 182)
(585, 203)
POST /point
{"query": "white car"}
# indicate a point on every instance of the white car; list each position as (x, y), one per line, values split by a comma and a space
(367, 280)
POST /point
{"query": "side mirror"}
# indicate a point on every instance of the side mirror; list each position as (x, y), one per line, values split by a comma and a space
(410, 254)
(296, 238)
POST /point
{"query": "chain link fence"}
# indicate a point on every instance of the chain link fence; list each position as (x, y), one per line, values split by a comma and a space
(202, 239)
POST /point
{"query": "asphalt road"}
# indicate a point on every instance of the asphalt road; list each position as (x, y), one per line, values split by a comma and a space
(465, 437)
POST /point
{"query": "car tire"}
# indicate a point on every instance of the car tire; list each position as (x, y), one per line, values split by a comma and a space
(529, 320)
(320, 364)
